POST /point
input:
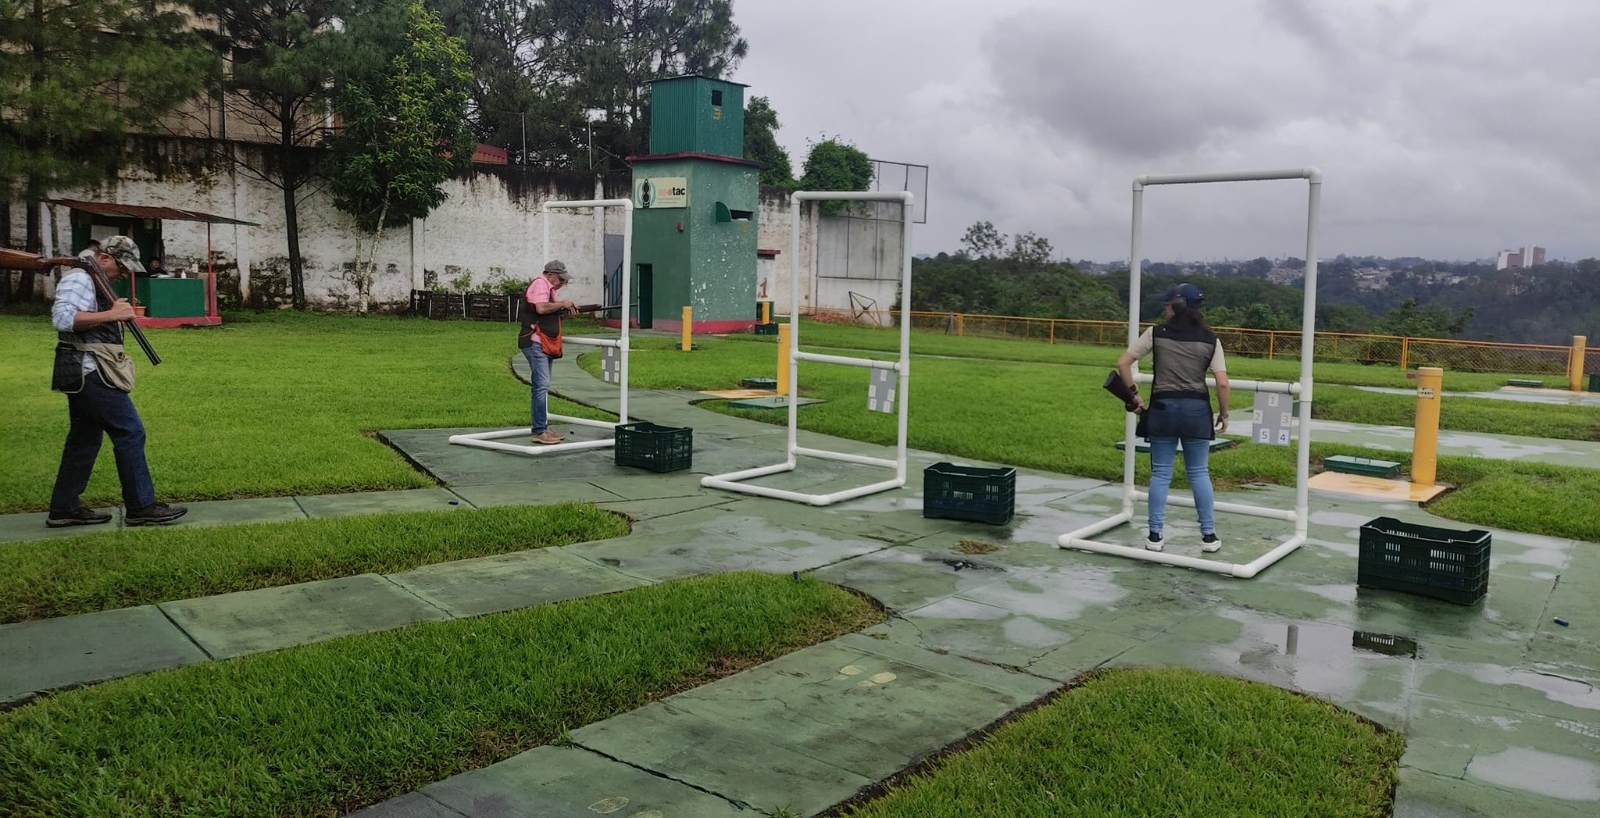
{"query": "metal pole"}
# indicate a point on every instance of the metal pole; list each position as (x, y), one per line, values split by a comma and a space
(524, 159)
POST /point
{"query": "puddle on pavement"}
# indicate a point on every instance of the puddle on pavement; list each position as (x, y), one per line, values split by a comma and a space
(964, 564)
(1540, 772)
(1312, 640)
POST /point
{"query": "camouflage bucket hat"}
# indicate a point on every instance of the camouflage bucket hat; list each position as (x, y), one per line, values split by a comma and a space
(125, 252)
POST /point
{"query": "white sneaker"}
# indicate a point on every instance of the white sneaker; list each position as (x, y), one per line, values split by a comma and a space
(1156, 541)
(1210, 542)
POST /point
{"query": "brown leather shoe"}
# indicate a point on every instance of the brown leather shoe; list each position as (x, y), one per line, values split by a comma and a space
(548, 437)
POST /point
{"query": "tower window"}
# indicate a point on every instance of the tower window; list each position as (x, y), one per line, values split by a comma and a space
(716, 97)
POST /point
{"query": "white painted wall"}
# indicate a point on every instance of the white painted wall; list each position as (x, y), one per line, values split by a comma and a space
(489, 230)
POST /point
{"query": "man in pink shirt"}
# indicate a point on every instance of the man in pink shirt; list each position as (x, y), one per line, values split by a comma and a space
(541, 328)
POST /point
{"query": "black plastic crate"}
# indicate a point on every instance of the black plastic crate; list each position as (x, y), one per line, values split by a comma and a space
(1438, 562)
(969, 493)
(657, 448)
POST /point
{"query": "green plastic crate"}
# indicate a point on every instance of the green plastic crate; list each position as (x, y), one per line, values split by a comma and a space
(1417, 559)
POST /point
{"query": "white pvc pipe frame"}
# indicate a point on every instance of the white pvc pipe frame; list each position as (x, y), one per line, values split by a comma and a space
(490, 440)
(1079, 539)
(732, 481)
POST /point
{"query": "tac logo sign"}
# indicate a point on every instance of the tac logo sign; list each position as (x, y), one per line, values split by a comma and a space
(661, 192)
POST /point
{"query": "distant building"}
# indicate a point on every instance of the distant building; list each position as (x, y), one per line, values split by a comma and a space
(1529, 256)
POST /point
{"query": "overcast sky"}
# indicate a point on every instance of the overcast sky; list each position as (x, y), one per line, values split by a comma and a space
(1443, 128)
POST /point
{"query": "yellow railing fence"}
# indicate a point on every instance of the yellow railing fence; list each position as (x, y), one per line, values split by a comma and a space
(1392, 350)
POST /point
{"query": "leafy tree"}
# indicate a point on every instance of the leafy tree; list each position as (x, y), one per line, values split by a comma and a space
(761, 143)
(603, 54)
(1417, 321)
(498, 38)
(834, 164)
(1029, 250)
(283, 53)
(982, 240)
(405, 128)
(76, 75)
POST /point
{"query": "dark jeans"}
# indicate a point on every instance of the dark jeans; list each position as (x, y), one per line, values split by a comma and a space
(100, 410)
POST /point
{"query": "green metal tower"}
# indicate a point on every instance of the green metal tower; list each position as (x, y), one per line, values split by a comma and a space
(695, 200)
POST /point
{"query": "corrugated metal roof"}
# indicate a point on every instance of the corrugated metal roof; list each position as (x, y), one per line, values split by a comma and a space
(146, 212)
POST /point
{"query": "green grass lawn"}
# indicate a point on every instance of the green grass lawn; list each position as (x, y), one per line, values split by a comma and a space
(116, 569)
(272, 404)
(285, 403)
(1055, 417)
(1162, 742)
(324, 729)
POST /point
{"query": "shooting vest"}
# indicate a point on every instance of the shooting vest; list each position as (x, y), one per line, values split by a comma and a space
(1182, 357)
(104, 342)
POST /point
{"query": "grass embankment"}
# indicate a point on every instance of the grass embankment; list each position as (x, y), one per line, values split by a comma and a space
(272, 404)
(1053, 416)
(328, 728)
(1162, 742)
(98, 572)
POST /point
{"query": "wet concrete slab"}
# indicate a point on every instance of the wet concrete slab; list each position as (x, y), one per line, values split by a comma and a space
(810, 729)
(1428, 795)
(74, 650)
(719, 538)
(557, 782)
(378, 502)
(31, 527)
(235, 512)
(524, 494)
(1533, 755)
(507, 582)
(271, 618)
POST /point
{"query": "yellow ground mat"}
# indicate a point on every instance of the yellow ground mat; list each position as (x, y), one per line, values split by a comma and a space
(1377, 488)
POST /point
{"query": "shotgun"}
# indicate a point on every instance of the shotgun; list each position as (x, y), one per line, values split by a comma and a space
(33, 262)
(1125, 393)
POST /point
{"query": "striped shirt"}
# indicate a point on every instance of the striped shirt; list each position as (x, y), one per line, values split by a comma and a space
(74, 294)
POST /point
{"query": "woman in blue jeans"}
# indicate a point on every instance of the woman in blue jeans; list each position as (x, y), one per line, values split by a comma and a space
(1179, 412)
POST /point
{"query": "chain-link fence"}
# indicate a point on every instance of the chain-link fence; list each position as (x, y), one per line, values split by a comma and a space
(1391, 350)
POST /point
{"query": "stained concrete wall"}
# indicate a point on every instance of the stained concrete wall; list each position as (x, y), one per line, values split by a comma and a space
(489, 230)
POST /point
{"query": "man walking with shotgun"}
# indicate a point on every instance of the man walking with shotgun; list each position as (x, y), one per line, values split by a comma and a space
(97, 375)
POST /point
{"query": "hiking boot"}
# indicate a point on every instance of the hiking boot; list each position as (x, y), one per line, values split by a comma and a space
(82, 515)
(548, 437)
(157, 514)
(1156, 541)
(1210, 542)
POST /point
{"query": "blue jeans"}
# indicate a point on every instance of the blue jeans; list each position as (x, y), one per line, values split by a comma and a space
(539, 367)
(1183, 420)
(100, 410)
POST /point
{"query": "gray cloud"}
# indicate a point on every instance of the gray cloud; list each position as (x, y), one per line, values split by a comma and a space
(1447, 128)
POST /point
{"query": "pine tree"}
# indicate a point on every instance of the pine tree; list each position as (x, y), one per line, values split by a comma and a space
(77, 76)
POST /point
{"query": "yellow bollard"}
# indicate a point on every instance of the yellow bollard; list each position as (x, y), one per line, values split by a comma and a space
(1425, 443)
(688, 328)
(783, 359)
(1575, 369)
(766, 312)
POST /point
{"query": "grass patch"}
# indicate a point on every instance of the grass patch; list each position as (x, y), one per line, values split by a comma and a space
(1458, 414)
(328, 728)
(276, 404)
(976, 547)
(118, 569)
(1162, 742)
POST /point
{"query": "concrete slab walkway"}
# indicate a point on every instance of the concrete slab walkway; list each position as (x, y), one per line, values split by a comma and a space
(1499, 703)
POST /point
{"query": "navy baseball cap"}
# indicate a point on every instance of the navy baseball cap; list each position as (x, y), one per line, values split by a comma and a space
(1191, 295)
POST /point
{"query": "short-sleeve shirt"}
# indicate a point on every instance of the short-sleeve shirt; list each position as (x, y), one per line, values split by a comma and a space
(540, 291)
